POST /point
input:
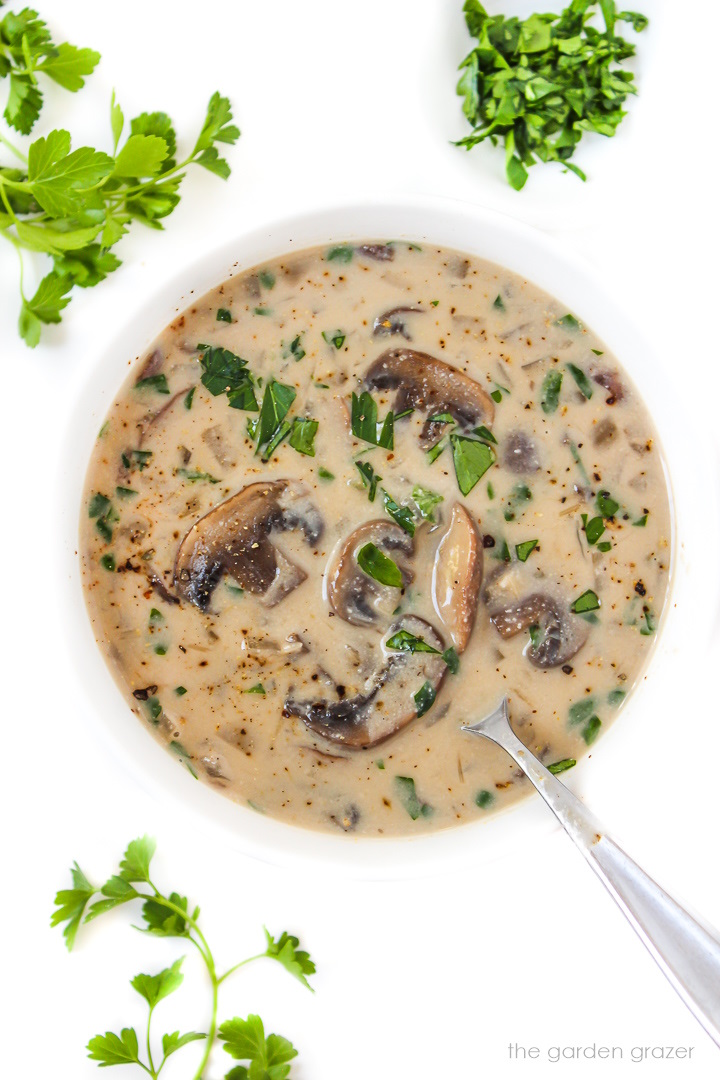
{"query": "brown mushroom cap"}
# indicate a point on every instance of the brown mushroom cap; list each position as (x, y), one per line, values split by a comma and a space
(456, 576)
(516, 602)
(355, 597)
(234, 538)
(431, 386)
(387, 702)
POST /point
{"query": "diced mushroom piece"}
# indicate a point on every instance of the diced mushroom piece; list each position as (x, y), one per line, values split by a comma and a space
(431, 386)
(148, 422)
(379, 252)
(235, 538)
(387, 702)
(520, 453)
(516, 602)
(456, 576)
(392, 322)
(355, 597)
(610, 381)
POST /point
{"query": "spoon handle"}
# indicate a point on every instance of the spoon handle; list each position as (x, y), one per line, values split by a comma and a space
(687, 953)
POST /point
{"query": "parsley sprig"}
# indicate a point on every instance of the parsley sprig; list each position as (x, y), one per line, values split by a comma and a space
(169, 915)
(73, 206)
(539, 84)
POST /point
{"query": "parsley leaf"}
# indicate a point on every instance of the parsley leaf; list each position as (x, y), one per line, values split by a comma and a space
(245, 1040)
(472, 459)
(364, 422)
(111, 1049)
(379, 566)
(285, 950)
(550, 391)
(71, 904)
(405, 787)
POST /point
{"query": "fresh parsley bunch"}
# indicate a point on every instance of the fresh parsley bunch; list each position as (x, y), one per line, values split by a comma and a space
(74, 205)
(169, 915)
(541, 83)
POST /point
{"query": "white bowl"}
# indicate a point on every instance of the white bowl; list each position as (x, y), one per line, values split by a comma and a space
(694, 578)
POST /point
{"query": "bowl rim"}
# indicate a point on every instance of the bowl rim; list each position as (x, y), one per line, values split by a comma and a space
(449, 223)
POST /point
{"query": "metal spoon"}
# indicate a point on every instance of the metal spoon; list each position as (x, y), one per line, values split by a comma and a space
(688, 954)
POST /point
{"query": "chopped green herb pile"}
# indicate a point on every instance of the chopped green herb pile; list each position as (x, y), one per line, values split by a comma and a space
(74, 205)
(170, 916)
(539, 84)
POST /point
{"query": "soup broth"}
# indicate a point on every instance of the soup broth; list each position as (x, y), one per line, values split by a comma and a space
(350, 499)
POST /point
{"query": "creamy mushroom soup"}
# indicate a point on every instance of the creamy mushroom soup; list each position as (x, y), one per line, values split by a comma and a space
(350, 499)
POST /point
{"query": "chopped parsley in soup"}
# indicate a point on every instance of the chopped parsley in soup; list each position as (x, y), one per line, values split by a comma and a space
(350, 499)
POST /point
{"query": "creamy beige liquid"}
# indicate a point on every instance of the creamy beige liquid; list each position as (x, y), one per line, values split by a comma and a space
(223, 675)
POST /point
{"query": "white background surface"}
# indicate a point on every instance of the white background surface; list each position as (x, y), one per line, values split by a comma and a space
(424, 978)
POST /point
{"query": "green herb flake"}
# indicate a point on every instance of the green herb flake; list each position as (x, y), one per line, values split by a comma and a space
(616, 696)
(258, 688)
(452, 660)
(485, 434)
(266, 279)
(649, 628)
(424, 698)
(380, 763)
(378, 566)
(234, 590)
(598, 352)
(591, 730)
(641, 522)
(562, 766)
(484, 799)
(125, 492)
(604, 546)
(154, 709)
(342, 253)
(161, 650)
(224, 372)
(195, 476)
(188, 399)
(404, 641)
(568, 322)
(335, 338)
(401, 515)
(593, 528)
(158, 383)
(490, 490)
(434, 303)
(581, 711)
(296, 350)
(369, 478)
(223, 315)
(99, 505)
(302, 435)
(180, 691)
(550, 391)
(325, 474)
(584, 385)
(156, 616)
(496, 395)
(472, 459)
(499, 303)
(263, 311)
(405, 787)
(607, 506)
(523, 550)
(108, 562)
(426, 501)
(277, 400)
(365, 425)
(589, 601)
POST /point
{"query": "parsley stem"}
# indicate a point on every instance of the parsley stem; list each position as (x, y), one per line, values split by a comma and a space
(241, 964)
(13, 149)
(149, 1050)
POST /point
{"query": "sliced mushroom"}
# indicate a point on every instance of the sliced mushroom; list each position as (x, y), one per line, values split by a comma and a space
(235, 538)
(516, 602)
(355, 597)
(520, 453)
(148, 422)
(433, 387)
(456, 576)
(387, 702)
(610, 381)
(391, 322)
